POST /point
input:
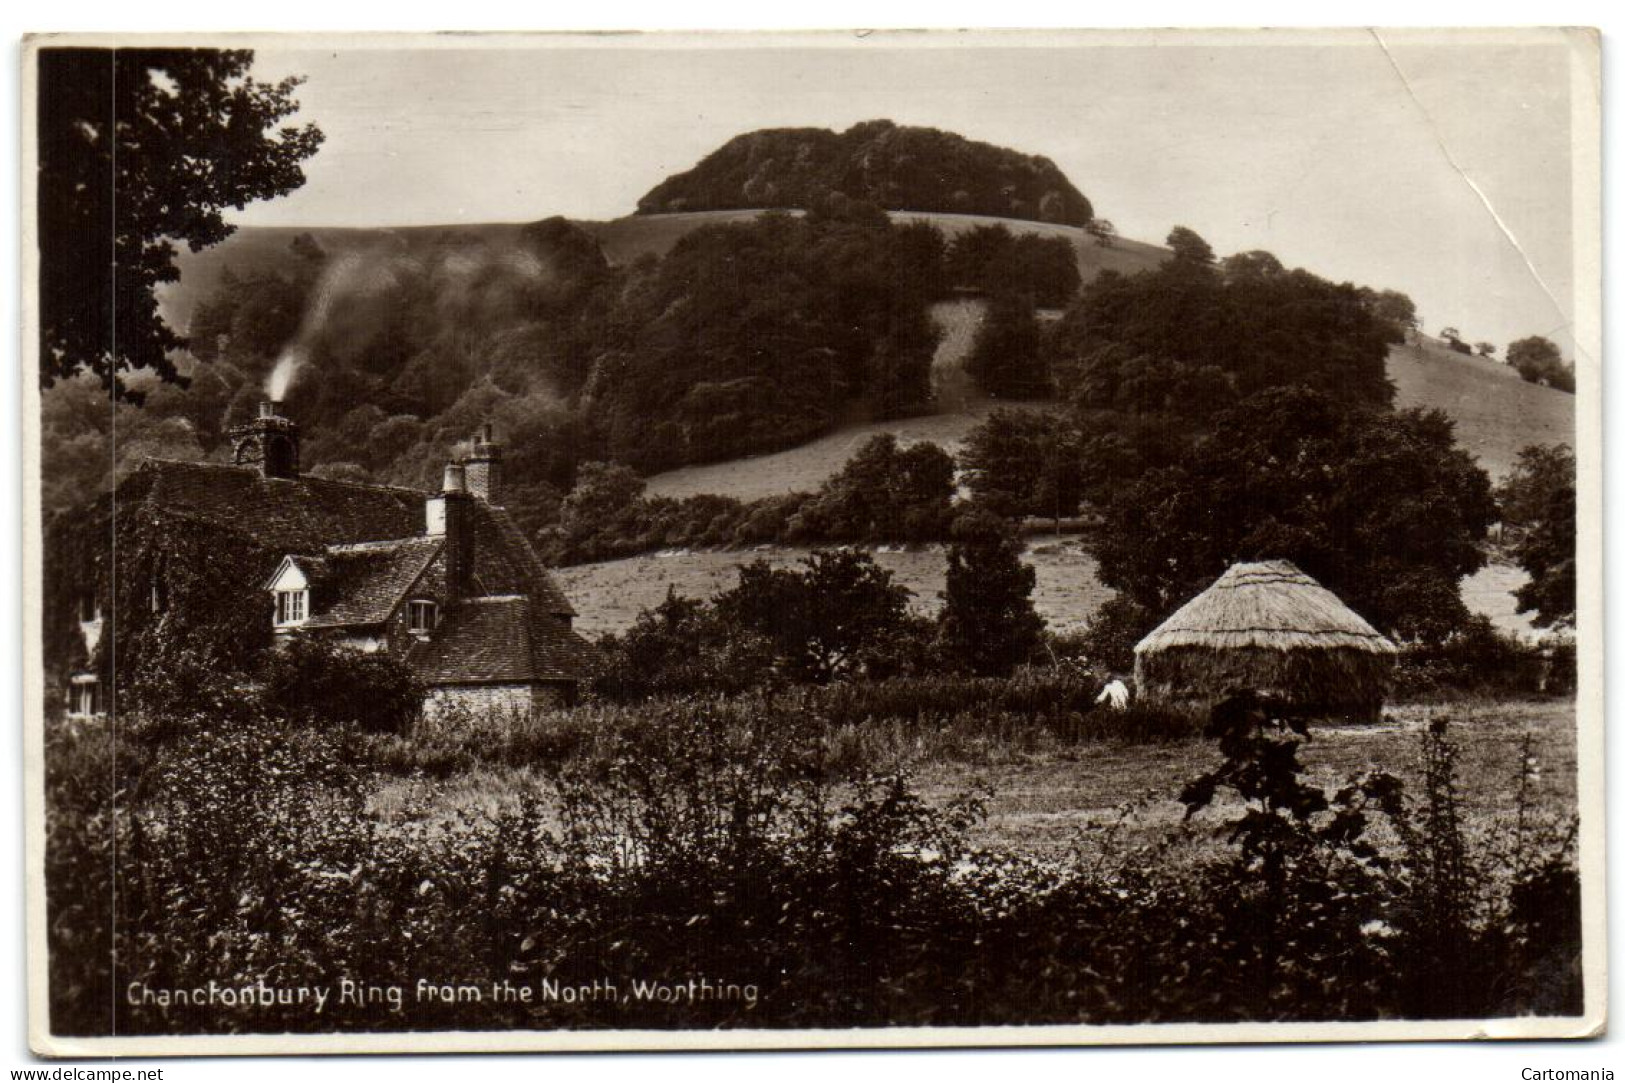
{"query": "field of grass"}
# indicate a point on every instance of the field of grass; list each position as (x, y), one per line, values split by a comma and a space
(610, 594)
(1046, 796)
(1047, 802)
(1496, 411)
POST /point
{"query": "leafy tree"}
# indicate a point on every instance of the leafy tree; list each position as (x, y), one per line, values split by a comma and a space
(992, 258)
(988, 624)
(1383, 508)
(1007, 355)
(1189, 247)
(1484, 349)
(1114, 630)
(681, 647)
(1254, 264)
(1024, 463)
(140, 149)
(1172, 342)
(604, 499)
(1538, 498)
(884, 493)
(840, 615)
(1538, 360)
(1103, 231)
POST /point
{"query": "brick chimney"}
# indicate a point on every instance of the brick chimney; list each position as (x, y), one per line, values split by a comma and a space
(450, 514)
(484, 467)
(270, 442)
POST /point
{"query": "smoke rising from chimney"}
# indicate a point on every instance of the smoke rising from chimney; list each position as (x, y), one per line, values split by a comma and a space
(281, 378)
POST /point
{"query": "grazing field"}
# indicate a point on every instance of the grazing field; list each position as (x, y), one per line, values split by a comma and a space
(1496, 411)
(1052, 801)
(610, 594)
(1046, 796)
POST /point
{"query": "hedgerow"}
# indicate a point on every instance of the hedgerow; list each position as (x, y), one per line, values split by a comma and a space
(744, 848)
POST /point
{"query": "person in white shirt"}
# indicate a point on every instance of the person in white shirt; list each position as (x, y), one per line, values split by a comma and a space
(1115, 695)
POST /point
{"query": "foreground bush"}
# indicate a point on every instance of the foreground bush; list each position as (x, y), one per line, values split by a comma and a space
(740, 850)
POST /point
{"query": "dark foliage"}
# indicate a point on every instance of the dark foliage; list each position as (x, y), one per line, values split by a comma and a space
(1007, 358)
(1381, 508)
(312, 681)
(681, 648)
(114, 126)
(1477, 660)
(1539, 361)
(1189, 247)
(1187, 339)
(878, 162)
(838, 616)
(884, 493)
(1114, 630)
(1041, 270)
(988, 625)
(1538, 501)
(757, 336)
(1021, 463)
(835, 617)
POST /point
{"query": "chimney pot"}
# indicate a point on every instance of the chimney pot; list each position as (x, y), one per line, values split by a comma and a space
(270, 441)
(484, 466)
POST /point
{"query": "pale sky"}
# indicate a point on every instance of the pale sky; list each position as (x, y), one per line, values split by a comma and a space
(1324, 154)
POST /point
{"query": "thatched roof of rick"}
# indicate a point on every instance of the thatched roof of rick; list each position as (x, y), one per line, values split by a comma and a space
(1269, 627)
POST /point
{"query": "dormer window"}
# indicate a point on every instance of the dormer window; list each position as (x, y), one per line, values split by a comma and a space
(421, 616)
(291, 607)
(291, 591)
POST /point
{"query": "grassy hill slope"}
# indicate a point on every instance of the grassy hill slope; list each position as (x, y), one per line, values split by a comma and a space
(1496, 414)
(1496, 411)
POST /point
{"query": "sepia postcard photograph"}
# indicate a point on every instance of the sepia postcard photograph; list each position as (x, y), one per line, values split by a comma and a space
(767, 540)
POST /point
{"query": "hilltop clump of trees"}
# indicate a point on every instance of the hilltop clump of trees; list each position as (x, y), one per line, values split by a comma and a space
(893, 166)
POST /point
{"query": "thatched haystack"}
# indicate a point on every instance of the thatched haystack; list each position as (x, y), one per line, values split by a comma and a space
(1268, 627)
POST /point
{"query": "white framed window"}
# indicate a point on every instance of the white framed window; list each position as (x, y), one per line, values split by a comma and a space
(83, 696)
(291, 606)
(421, 615)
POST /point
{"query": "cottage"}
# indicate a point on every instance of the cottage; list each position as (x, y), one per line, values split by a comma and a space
(445, 580)
(1269, 627)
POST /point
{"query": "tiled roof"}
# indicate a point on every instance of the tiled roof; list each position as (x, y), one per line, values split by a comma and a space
(506, 563)
(499, 640)
(299, 515)
(362, 583)
(307, 515)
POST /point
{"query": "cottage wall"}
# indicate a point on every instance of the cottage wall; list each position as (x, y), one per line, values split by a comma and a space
(445, 701)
